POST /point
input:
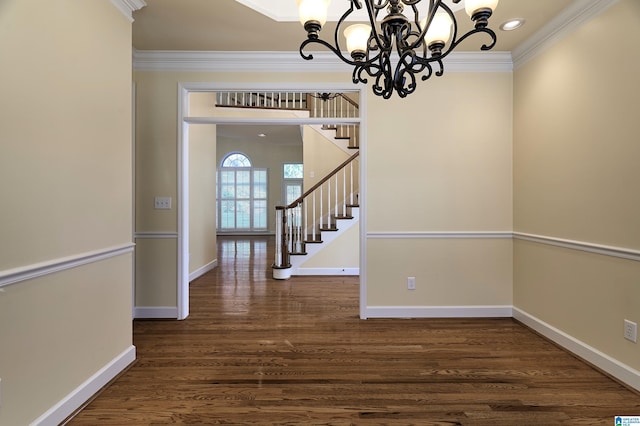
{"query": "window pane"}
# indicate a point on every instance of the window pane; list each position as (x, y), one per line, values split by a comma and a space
(243, 214)
(293, 192)
(243, 184)
(260, 214)
(293, 171)
(236, 160)
(260, 184)
(227, 184)
(227, 215)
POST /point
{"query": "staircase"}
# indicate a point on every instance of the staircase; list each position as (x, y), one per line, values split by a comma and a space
(329, 207)
(316, 214)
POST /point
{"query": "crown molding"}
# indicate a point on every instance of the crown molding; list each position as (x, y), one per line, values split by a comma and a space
(557, 28)
(196, 61)
(127, 7)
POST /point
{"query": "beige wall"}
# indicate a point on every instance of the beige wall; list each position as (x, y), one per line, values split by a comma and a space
(65, 164)
(442, 165)
(321, 156)
(341, 253)
(576, 177)
(269, 156)
(202, 196)
(459, 180)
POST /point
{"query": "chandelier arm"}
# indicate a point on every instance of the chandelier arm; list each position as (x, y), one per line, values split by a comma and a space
(429, 71)
(337, 52)
(485, 30)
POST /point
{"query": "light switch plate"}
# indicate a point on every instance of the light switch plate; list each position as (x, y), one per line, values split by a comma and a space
(162, 203)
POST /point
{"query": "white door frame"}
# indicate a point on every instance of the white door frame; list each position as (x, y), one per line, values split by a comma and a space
(183, 163)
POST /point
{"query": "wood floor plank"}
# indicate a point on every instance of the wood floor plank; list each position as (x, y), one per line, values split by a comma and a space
(265, 352)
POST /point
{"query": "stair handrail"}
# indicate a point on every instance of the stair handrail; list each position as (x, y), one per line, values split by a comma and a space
(331, 174)
(295, 226)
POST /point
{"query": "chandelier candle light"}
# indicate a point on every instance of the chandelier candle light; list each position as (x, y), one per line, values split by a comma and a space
(419, 44)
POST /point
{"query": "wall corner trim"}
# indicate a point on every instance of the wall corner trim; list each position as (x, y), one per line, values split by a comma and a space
(74, 400)
(565, 22)
(127, 7)
(615, 368)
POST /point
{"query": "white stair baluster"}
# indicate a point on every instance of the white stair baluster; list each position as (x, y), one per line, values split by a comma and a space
(335, 208)
(344, 191)
(351, 178)
(313, 222)
(321, 210)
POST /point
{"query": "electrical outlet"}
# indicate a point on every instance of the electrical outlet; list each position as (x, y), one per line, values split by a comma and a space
(411, 283)
(162, 203)
(631, 331)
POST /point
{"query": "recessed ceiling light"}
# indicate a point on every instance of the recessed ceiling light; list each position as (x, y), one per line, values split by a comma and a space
(512, 24)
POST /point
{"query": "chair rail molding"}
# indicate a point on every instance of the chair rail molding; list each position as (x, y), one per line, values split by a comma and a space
(16, 275)
(621, 252)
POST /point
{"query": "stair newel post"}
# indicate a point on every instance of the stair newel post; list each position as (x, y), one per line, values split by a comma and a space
(282, 261)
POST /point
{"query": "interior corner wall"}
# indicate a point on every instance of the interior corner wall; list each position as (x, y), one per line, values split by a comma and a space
(66, 216)
(321, 156)
(576, 178)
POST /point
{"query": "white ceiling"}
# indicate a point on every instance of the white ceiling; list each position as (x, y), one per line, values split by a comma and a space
(227, 25)
(286, 10)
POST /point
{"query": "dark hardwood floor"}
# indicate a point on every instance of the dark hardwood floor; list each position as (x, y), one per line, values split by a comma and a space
(259, 351)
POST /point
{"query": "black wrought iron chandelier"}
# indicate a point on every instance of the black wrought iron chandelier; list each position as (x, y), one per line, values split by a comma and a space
(420, 44)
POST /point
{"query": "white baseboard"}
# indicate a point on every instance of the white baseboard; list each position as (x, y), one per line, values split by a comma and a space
(155, 312)
(439, 311)
(69, 404)
(326, 271)
(615, 368)
(203, 270)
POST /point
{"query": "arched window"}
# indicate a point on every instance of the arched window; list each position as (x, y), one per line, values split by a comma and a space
(242, 195)
(236, 159)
